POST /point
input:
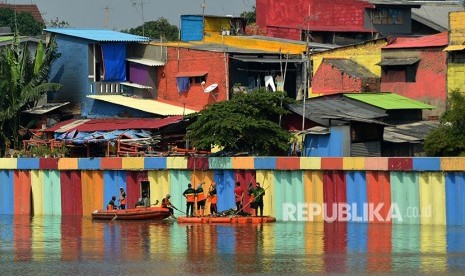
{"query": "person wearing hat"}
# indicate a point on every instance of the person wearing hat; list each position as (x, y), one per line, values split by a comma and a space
(189, 194)
(213, 199)
(166, 203)
(122, 199)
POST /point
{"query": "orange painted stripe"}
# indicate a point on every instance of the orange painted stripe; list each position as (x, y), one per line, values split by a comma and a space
(288, 163)
(22, 192)
(379, 193)
(111, 163)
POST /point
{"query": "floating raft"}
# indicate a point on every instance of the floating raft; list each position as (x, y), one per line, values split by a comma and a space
(143, 213)
(240, 220)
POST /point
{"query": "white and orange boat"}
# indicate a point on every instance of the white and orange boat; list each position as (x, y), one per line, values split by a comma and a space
(143, 213)
(228, 219)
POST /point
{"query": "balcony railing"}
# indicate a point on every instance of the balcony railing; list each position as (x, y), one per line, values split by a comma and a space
(106, 88)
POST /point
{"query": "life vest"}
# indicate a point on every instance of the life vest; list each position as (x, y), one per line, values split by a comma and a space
(165, 202)
(190, 197)
(123, 199)
(213, 199)
(110, 206)
(201, 196)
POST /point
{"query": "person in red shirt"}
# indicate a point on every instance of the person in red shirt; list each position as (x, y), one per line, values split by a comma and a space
(239, 193)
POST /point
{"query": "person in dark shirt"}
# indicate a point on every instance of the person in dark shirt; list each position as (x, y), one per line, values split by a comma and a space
(111, 205)
(189, 194)
(213, 199)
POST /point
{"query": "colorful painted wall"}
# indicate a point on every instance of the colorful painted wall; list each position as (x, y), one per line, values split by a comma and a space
(381, 190)
(190, 61)
(456, 69)
(285, 19)
(367, 54)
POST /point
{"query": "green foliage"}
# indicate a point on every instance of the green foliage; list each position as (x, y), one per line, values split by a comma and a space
(27, 25)
(56, 23)
(449, 138)
(246, 123)
(23, 81)
(155, 29)
(250, 16)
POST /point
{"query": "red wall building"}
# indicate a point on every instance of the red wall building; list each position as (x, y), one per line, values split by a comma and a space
(287, 19)
(197, 65)
(343, 75)
(417, 68)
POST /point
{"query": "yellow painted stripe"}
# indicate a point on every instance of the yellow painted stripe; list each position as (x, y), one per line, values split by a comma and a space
(433, 246)
(68, 164)
(353, 163)
(37, 186)
(243, 163)
(453, 163)
(136, 163)
(266, 179)
(159, 185)
(432, 198)
(315, 246)
(310, 163)
(313, 189)
(8, 163)
(176, 162)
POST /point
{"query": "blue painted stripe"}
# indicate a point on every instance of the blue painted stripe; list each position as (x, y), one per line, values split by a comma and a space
(455, 198)
(225, 189)
(28, 163)
(226, 240)
(89, 163)
(6, 192)
(265, 163)
(426, 164)
(112, 181)
(356, 194)
(155, 163)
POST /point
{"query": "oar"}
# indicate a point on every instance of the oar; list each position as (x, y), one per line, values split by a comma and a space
(250, 201)
(178, 210)
(115, 217)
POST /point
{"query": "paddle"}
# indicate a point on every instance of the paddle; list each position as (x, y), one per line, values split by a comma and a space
(238, 211)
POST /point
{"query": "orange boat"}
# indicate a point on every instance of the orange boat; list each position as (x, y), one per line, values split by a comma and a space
(232, 220)
(144, 213)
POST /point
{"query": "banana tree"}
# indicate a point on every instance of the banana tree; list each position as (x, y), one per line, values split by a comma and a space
(23, 81)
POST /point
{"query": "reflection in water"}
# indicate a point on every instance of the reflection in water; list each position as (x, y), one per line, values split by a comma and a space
(72, 244)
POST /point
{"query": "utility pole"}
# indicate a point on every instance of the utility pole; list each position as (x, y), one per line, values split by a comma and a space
(141, 4)
(107, 14)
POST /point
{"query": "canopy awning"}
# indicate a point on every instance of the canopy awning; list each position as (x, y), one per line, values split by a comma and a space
(191, 74)
(451, 48)
(398, 61)
(146, 62)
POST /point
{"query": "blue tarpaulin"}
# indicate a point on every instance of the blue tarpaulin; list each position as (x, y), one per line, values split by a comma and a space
(101, 136)
(183, 84)
(114, 62)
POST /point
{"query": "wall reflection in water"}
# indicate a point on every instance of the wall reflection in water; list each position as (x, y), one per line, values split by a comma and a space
(242, 248)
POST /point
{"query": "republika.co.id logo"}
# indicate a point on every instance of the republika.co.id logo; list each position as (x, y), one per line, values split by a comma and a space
(367, 212)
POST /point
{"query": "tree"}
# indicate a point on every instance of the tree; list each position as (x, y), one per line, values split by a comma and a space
(56, 23)
(449, 138)
(155, 29)
(23, 81)
(246, 123)
(26, 24)
(250, 16)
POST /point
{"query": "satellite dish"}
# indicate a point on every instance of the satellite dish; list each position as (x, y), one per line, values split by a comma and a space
(210, 88)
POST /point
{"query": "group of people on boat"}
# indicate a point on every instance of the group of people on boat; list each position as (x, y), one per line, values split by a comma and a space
(198, 196)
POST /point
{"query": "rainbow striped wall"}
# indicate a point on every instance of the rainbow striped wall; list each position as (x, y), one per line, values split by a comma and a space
(412, 190)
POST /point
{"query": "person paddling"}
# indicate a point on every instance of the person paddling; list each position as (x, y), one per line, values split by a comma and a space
(166, 203)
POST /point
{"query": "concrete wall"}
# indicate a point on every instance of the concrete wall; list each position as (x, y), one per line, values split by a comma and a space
(414, 190)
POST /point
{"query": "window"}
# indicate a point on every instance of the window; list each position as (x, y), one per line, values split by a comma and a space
(399, 73)
(195, 77)
(457, 56)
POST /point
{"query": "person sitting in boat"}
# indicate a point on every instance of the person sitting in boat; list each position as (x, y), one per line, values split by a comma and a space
(189, 194)
(122, 199)
(201, 199)
(166, 203)
(143, 201)
(111, 205)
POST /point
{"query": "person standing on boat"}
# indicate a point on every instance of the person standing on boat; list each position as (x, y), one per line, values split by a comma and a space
(257, 203)
(166, 203)
(111, 205)
(213, 199)
(189, 194)
(239, 194)
(122, 199)
(201, 199)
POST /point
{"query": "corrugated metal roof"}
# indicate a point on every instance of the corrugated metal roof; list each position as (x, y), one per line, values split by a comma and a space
(388, 101)
(150, 106)
(89, 125)
(435, 14)
(336, 109)
(451, 48)
(274, 59)
(350, 68)
(394, 3)
(436, 40)
(45, 108)
(99, 35)
(412, 132)
(398, 61)
(147, 62)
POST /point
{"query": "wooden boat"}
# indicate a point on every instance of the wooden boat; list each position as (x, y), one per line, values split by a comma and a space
(141, 213)
(231, 220)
